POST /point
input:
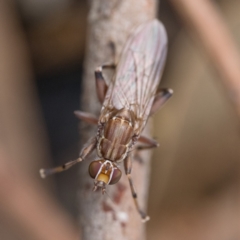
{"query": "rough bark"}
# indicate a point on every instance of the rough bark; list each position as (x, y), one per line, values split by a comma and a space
(113, 217)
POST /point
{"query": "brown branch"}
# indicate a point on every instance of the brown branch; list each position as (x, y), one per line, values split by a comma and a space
(205, 21)
(102, 217)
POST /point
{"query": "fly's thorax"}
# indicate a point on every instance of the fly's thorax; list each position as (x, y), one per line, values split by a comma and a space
(125, 114)
(104, 172)
(116, 136)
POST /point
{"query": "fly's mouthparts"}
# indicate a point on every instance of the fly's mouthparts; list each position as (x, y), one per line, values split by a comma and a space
(99, 184)
(94, 188)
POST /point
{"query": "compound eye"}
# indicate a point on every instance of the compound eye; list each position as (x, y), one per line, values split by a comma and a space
(117, 173)
(94, 168)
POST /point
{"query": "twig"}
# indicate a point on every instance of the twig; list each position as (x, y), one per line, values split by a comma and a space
(110, 22)
(205, 21)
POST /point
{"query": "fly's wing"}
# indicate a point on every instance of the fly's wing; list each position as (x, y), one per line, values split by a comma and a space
(139, 70)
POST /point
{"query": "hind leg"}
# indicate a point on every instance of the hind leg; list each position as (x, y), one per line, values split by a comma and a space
(161, 97)
(100, 81)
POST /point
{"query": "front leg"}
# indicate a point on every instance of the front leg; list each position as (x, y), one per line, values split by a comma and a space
(87, 149)
(128, 169)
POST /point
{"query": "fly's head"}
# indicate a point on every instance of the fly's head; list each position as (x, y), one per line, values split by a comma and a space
(104, 173)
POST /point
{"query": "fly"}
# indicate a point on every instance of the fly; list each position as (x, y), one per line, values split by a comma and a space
(127, 102)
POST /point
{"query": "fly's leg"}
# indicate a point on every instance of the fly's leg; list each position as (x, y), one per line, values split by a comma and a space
(101, 92)
(128, 169)
(161, 97)
(149, 143)
(86, 117)
(87, 149)
(100, 81)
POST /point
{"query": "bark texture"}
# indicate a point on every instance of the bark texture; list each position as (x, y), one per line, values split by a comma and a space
(113, 216)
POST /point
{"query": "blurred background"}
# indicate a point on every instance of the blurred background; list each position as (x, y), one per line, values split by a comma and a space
(194, 191)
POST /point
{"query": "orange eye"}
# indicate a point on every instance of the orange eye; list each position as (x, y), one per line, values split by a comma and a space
(116, 176)
(94, 168)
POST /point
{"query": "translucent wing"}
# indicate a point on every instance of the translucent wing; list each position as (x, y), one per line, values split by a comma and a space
(139, 70)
